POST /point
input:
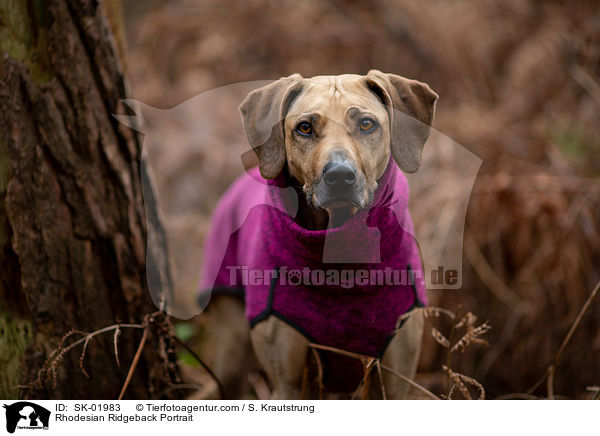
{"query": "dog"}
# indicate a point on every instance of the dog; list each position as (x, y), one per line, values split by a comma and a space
(328, 199)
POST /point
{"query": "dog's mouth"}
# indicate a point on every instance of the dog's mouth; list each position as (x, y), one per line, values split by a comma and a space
(340, 203)
(340, 213)
(341, 206)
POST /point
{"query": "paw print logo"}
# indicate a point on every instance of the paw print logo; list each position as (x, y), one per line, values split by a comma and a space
(294, 277)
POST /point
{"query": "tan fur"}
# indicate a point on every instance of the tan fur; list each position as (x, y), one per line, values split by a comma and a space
(404, 111)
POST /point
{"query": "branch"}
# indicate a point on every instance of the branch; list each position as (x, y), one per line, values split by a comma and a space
(134, 364)
(549, 374)
(384, 367)
(192, 352)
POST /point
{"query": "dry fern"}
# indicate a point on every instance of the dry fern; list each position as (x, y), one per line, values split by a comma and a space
(427, 312)
(472, 337)
(469, 320)
(460, 381)
(435, 312)
(439, 337)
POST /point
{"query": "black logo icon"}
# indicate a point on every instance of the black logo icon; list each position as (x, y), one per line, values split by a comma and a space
(26, 415)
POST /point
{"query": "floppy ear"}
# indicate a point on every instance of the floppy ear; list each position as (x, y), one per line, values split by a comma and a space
(263, 114)
(411, 106)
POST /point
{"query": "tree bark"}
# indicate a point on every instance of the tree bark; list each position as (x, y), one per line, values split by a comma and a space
(73, 227)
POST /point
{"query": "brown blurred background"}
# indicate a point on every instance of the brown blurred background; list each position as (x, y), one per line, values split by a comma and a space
(519, 86)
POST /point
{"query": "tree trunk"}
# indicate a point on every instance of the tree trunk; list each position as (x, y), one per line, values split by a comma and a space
(73, 227)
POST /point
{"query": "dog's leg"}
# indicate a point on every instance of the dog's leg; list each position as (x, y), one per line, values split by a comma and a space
(281, 350)
(233, 357)
(402, 355)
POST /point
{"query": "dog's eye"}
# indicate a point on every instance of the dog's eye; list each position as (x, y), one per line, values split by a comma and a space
(367, 124)
(304, 128)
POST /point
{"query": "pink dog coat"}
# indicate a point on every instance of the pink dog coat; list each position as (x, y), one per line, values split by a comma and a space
(342, 287)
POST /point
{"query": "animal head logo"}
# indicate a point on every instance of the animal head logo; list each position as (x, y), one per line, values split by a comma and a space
(26, 415)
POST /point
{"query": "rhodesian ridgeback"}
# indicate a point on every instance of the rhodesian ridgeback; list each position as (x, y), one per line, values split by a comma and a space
(341, 144)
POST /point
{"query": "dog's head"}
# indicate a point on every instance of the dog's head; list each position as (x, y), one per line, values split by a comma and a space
(336, 133)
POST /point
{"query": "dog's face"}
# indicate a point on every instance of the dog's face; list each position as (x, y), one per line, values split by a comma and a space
(336, 133)
(337, 141)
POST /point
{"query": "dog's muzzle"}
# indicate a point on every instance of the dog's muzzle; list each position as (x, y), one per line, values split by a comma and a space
(340, 185)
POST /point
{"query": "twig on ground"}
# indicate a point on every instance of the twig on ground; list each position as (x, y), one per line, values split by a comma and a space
(549, 374)
(384, 367)
(85, 344)
(449, 355)
(134, 363)
(116, 343)
(410, 382)
(491, 280)
(152, 319)
(368, 365)
(380, 374)
(49, 368)
(460, 380)
(57, 355)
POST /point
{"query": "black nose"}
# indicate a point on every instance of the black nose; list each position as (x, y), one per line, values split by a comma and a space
(339, 174)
